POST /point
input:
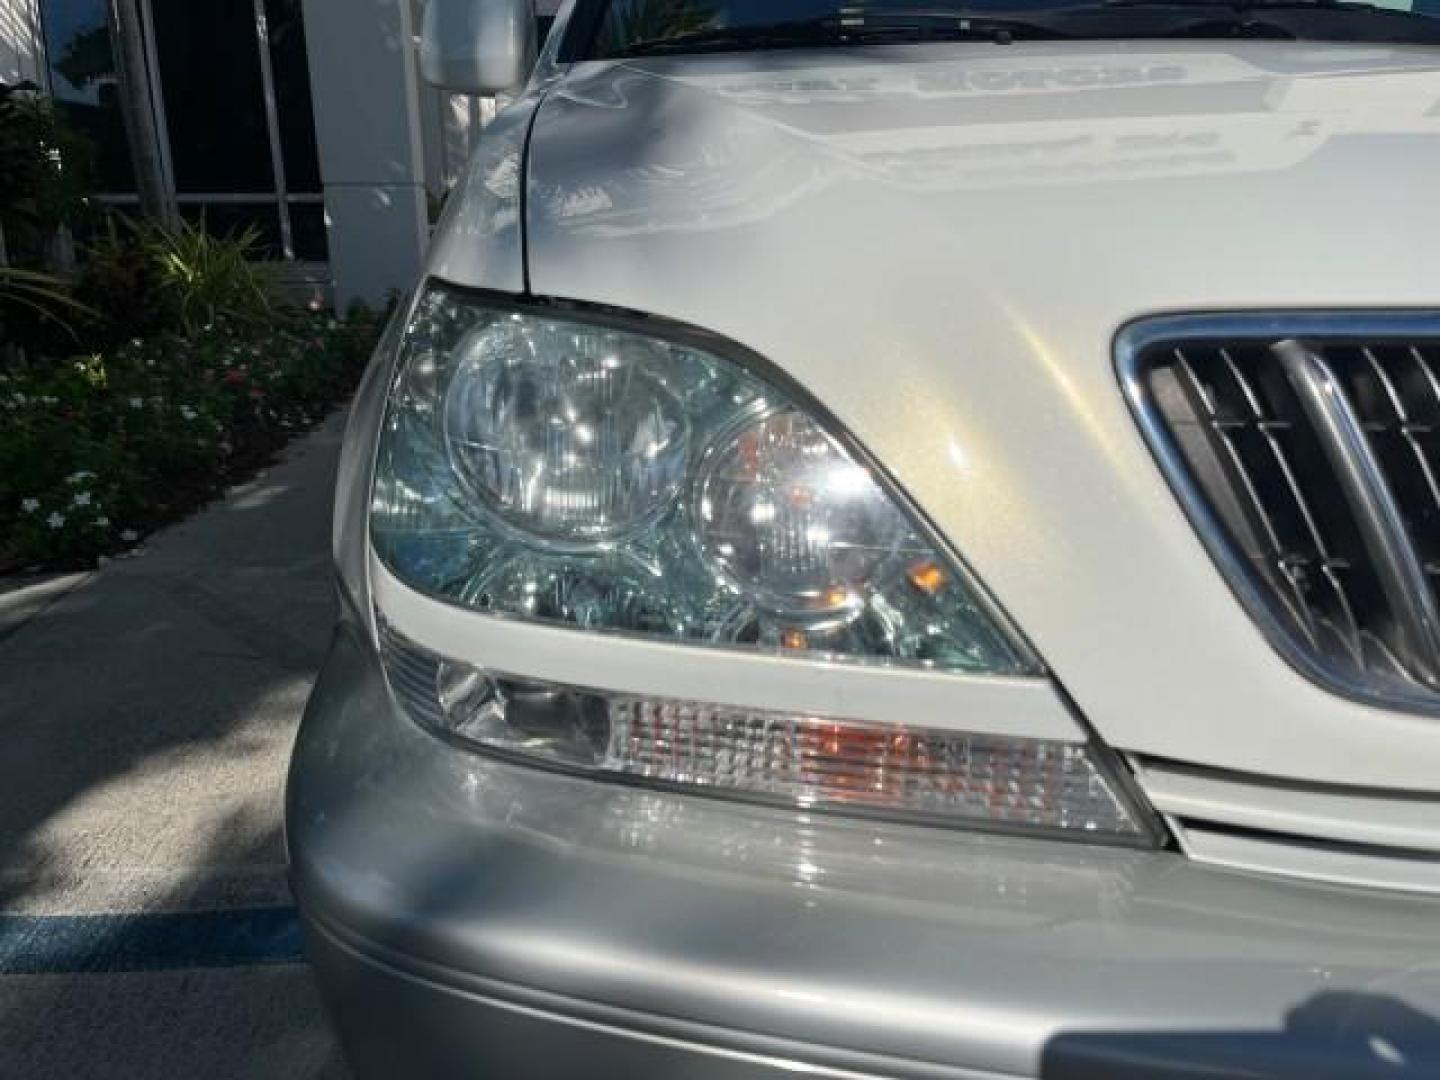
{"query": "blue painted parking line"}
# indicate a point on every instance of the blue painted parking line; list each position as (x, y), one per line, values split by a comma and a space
(40, 944)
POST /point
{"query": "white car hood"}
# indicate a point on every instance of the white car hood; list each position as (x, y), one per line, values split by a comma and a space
(941, 243)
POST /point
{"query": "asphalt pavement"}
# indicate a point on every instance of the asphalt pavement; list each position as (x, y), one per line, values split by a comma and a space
(146, 716)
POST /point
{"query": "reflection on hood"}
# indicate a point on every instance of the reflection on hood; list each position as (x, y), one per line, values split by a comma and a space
(721, 141)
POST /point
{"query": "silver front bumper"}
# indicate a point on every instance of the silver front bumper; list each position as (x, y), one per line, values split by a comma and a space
(473, 917)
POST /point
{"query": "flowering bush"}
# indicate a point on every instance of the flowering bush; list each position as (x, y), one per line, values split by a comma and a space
(97, 451)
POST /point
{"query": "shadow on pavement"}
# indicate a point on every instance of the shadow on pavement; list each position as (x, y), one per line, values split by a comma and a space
(146, 719)
(1331, 1036)
(190, 1020)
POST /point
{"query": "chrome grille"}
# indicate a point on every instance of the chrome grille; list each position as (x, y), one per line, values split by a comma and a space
(1306, 449)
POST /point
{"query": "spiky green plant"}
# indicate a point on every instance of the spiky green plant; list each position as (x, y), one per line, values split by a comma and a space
(42, 295)
(213, 277)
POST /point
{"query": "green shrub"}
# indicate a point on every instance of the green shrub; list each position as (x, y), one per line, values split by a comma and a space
(40, 300)
(46, 173)
(94, 453)
(144, 278)
(124, 284)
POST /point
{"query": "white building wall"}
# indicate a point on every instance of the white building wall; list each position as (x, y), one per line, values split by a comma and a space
(388, 142)
(22, 47)
(365, 82)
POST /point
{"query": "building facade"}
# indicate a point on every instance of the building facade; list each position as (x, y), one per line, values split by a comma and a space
(305, 119)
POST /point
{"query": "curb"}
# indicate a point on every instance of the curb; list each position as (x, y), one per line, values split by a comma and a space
(22, 598)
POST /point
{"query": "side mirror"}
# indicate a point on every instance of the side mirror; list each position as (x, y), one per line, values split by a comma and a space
(480, 47)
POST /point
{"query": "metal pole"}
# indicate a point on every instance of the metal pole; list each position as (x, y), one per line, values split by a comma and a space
(128, 37)
(157, 102)
(272, 122)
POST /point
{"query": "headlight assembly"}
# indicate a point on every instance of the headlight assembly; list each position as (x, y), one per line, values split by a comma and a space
(567, 471)
(558, 468)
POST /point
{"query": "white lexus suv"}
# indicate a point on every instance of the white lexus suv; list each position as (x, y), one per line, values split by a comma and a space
(899, 541)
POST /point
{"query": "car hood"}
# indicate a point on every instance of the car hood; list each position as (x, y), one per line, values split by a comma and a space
(941, 243)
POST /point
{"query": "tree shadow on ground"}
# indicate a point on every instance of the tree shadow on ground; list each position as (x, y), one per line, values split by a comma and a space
(146, 721)
(207, 1019)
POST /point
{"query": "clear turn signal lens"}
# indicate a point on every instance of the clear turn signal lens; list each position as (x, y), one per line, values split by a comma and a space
(803, 761)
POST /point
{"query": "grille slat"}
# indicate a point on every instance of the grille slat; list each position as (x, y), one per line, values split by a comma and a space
(413, 675)
(1415, 435)
(1308, 451)
(1292, 566)
(1424, 436)
(1224, 430)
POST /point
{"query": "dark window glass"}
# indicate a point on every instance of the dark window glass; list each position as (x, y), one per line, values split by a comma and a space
(231, 219)
(292, 95)
(629, 22)
(632, 25)
(82, 76)
(307, 231)
(214, 103)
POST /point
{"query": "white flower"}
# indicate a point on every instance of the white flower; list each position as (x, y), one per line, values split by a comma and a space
(102, 522)
(137, 403)
(80, 477)
(55, 520)
(187, 412)
(129, 536)
(19, 399)
(82, 498)
(30, 505)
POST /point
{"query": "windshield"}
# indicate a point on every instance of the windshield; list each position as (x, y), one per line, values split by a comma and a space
(649, 27)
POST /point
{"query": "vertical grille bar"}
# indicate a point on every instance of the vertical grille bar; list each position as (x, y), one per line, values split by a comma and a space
(1289, 563)
(1362, 481)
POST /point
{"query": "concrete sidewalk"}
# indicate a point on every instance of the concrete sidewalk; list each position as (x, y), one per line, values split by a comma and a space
(146, 716)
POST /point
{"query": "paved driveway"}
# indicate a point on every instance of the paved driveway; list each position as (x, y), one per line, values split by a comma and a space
(146, 714)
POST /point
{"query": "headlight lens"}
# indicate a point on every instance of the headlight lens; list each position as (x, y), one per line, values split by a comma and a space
(570, 438)
(561, 470)
(791, 520)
